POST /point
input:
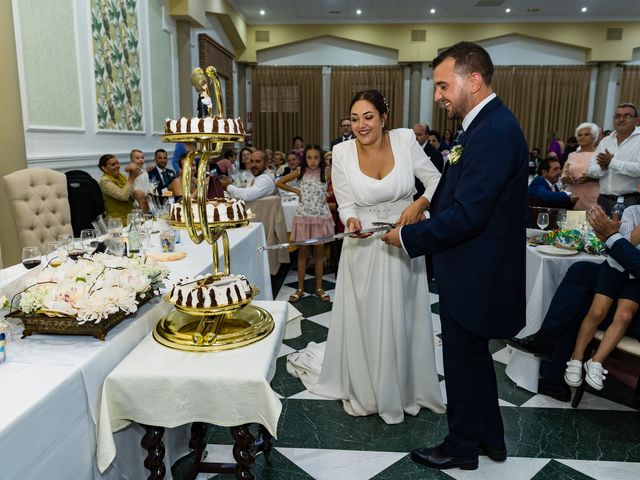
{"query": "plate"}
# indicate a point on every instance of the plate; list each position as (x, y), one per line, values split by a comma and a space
(560, 252)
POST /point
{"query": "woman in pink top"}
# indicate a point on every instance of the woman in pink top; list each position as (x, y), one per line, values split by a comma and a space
(574, 173)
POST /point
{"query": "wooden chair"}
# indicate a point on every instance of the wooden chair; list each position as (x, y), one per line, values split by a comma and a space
(627, 350)
(268, 210)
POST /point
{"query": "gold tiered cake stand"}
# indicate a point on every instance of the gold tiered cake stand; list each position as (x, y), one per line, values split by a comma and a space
(215, 328)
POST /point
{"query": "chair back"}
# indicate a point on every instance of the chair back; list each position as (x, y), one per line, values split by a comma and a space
(39, 204)
(85, 200)
(268, 210)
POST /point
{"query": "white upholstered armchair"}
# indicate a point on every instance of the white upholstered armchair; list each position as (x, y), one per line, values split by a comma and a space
(39, 204)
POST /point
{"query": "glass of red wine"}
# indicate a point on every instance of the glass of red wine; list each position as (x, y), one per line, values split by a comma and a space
(75, 249)
(31, 257)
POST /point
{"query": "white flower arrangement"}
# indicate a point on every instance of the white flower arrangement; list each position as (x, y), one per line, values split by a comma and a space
(93, 288)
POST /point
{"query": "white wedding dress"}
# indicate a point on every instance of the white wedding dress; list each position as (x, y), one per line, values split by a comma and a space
(379, 355)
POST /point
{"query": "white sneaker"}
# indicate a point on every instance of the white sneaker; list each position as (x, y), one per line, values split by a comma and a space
(573, 373)
(595, 374)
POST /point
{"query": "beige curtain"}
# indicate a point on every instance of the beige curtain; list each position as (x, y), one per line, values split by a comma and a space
(287, 101)
(543, 99)
(347, 81)
(630, 85)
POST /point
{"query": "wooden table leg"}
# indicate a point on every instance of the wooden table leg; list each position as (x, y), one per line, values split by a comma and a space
(243, 451)
(152, 443)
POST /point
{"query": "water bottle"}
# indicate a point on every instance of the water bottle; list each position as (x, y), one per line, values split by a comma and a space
(618, 208)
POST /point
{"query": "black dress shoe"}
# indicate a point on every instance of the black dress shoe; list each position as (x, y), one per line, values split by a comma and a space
(495, 454)
(533, 346)
(436, 457)
(559, 392)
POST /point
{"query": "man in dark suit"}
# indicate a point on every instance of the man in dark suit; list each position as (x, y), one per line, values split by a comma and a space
(161, 175)
(555, 340)
(543, 190)
(478, 219)
(345, 132)
(422, 136)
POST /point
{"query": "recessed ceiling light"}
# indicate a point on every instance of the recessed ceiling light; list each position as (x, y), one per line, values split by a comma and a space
(433, 10)
(507, 10)
(583, 9)
(262, 12)
(358, 12)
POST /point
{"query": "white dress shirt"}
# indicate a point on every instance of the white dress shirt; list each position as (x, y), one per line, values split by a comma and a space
(623, 174)
(262, 186)
(630, 220)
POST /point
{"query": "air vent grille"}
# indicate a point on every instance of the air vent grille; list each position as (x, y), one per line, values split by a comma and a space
(614, 33)
(418, 35)
(262, 35)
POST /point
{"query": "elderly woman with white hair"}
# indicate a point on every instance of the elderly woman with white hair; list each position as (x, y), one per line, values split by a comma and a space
(574, 173)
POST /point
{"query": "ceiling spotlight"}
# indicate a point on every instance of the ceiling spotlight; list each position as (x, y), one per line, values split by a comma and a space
(583, 9)
(358, 12)
(262, 12)
(507, 10)
(433, 10)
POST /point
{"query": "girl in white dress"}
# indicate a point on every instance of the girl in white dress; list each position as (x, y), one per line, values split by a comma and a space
(379, 355)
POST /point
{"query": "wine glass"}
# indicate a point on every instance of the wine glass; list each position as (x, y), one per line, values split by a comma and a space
(31, 257)
(64, 239)
(89, 240)
(116, 246)
(114, 226)
(543, 220)
(561, 219)
(75, 249)
(55, 255)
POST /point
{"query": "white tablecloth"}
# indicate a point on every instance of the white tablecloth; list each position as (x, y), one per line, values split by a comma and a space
(51, 385)
(155, 385)
(544, 274)
(289, 205)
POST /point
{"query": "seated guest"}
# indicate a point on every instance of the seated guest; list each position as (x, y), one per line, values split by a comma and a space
(117, 190)
(262, 184)
(555, 340)
(176, 185)
(230, 155)
(161, 176)
(142, 185)
(543, 190)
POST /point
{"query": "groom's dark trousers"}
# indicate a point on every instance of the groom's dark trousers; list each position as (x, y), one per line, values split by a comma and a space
(477, 236)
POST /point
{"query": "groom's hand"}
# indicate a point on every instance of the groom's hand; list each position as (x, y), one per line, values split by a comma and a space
(392, 237)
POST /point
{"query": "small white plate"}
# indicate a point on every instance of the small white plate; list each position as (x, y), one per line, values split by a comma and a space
(551, 250)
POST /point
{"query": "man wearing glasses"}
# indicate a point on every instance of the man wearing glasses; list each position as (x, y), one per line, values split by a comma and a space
(616, 161)
(345, 132)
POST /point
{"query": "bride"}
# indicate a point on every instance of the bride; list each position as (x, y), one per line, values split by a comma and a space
(379, 355)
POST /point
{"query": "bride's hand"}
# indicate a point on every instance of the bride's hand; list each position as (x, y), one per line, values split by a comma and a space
(354, 226)
(414, 212)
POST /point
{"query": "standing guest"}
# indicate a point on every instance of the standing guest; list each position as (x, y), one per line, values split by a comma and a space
(345, 132)
(575, 170)
(421, 131)
(478, 218)
(161, 175)
(543, 189)
(534, 160)
(446, 142)
(570, 147)
(261, 185)
(616, 161)
(555, 146)
(298, 145)
(434, 139)
(313, 218)
(117, 190)
(379, 355)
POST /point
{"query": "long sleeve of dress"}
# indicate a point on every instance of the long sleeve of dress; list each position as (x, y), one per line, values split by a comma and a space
(347, 207)
(111, 188)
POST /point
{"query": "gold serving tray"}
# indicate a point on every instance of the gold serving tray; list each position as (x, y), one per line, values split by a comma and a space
(182, 331)
(202, 137)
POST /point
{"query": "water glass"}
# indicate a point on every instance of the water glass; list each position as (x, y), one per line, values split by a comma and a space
(31, 257)
(114, 226)
(561, 219)
(64, 239)
(116, 246)
(89, 240)
(543, 220)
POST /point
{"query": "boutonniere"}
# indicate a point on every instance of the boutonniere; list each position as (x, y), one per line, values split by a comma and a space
(454, 154)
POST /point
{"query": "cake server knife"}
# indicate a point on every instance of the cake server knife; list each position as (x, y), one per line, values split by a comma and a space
(379, 227)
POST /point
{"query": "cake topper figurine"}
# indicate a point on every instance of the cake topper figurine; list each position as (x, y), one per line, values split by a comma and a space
(200, 82)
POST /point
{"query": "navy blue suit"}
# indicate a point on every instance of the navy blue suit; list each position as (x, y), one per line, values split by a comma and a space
(572, 301)
(540, 190)
(155, 177)
(478, 240)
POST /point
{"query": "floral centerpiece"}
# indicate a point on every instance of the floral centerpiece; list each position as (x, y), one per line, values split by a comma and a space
(93, 288)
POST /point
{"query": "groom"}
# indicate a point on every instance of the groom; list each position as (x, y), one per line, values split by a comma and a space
(477, 237)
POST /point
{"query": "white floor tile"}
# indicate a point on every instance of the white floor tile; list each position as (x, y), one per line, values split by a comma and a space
(330, 277)
(608, 470)
(285, 350)
(219, 453)
(283, 294)
(502, 355)
(504, 403)
(323, 319)
(515, 468)
(588, 402)
(341, 464)
(307, 395)
(331, 293)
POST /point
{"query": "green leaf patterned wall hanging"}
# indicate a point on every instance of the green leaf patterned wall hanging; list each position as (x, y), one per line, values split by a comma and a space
(114, 25)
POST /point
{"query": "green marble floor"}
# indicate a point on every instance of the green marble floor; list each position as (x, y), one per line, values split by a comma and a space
(546, 439)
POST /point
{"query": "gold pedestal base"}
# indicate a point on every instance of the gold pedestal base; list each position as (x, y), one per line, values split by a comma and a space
(224, 331)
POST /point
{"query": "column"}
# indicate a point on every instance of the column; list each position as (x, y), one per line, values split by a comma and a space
(185, 95)
(14, 155)
(415, 79)
(602, 93)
